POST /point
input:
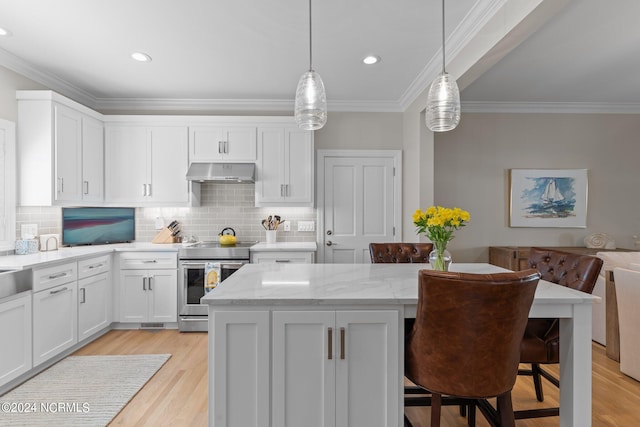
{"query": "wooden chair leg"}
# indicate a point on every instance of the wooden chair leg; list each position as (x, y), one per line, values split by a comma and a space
(505, 410)
(537, 381)
(436, 407)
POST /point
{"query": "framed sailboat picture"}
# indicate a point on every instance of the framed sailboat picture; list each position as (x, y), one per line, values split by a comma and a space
(548, 198)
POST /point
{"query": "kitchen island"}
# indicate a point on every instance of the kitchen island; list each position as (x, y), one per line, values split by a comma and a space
(321, 344)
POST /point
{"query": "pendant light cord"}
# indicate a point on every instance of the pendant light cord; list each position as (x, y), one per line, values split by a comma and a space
(310, 51)
(442, 36)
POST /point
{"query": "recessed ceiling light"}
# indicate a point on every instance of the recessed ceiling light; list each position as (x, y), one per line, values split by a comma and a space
(371, 59)
(141, 56)
(4, 32)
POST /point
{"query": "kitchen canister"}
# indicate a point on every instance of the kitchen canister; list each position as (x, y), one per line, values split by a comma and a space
(26, 246)
(271, 236)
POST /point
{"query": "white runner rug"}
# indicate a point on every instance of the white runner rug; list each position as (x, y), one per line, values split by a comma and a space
(79, 391)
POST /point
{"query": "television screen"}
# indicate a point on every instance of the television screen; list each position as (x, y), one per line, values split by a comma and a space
(97, 226)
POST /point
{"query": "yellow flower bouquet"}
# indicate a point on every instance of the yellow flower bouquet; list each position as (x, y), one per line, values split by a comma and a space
(438, 224)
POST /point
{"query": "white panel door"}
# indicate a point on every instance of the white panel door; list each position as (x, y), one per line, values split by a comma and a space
(94, 309)
(358, 206)
(92, 160)
(169, 152)
(55, 321)
(15, 336)
(270, 182)
(163, 295)
(239, 367)
(303, 380)
(371, 345)
(126, 163)
(68, 149)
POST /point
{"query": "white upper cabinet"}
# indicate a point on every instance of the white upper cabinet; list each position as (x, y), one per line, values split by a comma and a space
(146, 164)
(222, 143)
(60, 151)
(284, 167)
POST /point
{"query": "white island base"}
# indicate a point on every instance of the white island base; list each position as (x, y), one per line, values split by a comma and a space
(321, 345)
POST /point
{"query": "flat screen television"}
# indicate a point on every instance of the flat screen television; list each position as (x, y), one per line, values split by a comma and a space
(97, 226)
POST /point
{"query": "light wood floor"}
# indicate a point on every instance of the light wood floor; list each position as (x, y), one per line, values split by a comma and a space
(177, 394)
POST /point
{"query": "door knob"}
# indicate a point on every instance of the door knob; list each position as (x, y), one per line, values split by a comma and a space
(329, 243)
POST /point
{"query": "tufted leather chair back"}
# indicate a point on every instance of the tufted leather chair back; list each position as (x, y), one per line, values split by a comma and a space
(468, 329)
(575, 271)
(400, 252)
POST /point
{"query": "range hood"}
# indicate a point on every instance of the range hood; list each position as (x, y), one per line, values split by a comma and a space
(222, 172)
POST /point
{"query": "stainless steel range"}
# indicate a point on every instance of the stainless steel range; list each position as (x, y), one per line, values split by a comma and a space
(203, 266)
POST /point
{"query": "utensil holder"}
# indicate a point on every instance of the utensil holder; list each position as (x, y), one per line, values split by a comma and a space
(271, 236)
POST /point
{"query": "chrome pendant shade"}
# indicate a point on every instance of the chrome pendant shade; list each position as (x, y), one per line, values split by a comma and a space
(311, 99)
(443, 100)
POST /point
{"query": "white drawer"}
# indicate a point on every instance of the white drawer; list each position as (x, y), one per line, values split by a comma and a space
(148, 260)
(92, 266)
(292, 257)
(48, 277)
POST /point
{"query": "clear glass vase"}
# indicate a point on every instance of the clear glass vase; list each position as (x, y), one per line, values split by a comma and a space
(440, 258)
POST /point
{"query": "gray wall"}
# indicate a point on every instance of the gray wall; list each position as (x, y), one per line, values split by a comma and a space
(472, 171)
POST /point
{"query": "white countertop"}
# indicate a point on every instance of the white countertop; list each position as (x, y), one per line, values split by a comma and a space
(285, 246)
(18, 262)
(349, 284)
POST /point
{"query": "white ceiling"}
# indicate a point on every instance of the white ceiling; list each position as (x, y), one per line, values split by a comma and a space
(251, 53)
(588, 53)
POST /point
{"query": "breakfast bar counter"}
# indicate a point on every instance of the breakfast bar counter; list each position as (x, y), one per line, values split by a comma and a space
(308, 343)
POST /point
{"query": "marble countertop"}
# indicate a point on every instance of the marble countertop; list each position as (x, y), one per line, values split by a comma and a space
(38, 259)
(276, 284)
(285, 246)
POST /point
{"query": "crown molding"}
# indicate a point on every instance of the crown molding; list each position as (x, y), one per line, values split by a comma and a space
(550, 107)
(51, 81)
(237, 105)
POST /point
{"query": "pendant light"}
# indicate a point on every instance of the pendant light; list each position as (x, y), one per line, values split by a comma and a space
(311, 98)
(443, 101)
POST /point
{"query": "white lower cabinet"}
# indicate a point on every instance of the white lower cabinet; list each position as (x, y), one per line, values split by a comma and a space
(148, 296)
(148, 287)
(321, 368)
(55, 321)
(15, 336)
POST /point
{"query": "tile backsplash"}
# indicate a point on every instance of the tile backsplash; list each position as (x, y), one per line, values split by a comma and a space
(222, 205)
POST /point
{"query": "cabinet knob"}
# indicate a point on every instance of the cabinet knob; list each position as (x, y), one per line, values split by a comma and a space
(329, 243)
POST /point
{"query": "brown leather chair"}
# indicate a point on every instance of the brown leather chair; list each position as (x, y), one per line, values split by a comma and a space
(467, 335)
(541, 342)
(399, 252)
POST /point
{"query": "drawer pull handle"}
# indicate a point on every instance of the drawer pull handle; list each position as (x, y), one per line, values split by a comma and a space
(330, 343)
(91, 267)
(150, 261)
(57, 276)
(342, 333)
(283, 260)
(58, 291)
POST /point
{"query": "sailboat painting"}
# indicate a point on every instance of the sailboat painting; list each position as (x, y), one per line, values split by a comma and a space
(548, 198)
